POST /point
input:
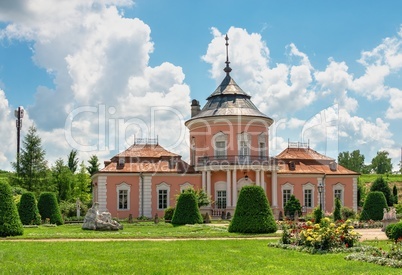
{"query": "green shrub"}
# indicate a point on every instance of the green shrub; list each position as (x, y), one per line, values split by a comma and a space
(69, 209)
(347, 213)
(292, 206)
(337, 211)
(28, 209)
(187, 211)
(49, 209)
(253, 213)
(396, 231)
(388, 230)
(169, 214)
(373, 208)
(10, 223)
(317, 215)
(381, 185)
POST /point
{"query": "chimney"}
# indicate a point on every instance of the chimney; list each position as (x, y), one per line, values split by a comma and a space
(195, 107)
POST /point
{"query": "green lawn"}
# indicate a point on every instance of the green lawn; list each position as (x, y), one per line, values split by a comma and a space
(171, 257)
(141, 230)
(29, 255)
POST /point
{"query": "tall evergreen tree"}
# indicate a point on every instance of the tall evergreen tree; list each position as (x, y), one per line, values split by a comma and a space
(10, 223)
(395, 194)
(381, 185)
(93, 167)
(32, 163)
(73, 161)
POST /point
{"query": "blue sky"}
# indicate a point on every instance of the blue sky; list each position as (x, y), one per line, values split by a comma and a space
(307, 64)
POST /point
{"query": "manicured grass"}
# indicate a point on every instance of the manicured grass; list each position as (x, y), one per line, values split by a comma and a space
(171, 257)
(140, 230)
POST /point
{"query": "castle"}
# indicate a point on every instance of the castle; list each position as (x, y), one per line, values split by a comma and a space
(229, 148)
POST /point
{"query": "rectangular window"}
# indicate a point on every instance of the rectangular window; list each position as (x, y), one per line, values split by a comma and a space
(220, 149)
(123, 199)
(338, 194)
(308, 198)
(262, 149)
(286, 196)
(162, 199)
(221, 199)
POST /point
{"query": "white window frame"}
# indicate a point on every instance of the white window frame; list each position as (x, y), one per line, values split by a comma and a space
(160, 187)
(219, 187)
(339, 187)
(186, 186)
(123, 187)
(288, 187)
(219, 151)
(308, 186)
(262, 150)
(243, 143)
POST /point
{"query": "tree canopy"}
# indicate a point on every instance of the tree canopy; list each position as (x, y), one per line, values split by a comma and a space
(353, 161)
(381, 163)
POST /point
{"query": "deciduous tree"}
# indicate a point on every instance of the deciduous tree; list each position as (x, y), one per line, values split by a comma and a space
(353, 161)
(381, 163)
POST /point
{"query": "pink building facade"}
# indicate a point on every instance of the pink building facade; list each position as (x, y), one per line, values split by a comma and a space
(229, 148)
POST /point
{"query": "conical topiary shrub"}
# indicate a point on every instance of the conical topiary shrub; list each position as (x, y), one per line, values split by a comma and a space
(10, 224)
(28, 210)
(253, 213)
(373, 208)
(49, 208)
(187, 211)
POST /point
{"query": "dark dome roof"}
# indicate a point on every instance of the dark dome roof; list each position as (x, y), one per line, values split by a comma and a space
(229, 99)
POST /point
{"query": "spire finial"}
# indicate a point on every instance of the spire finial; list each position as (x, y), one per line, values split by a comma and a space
(227, 69)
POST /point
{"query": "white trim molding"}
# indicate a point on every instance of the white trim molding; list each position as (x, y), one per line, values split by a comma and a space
(121, 187)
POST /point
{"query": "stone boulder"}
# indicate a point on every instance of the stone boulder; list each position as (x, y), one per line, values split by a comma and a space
(103, 221)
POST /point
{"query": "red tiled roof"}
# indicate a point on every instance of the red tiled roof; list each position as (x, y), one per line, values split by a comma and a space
(302, 168)
(146, 151)
(146, 158)
(302, 154)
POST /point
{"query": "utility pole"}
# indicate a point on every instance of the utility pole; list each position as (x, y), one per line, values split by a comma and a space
(19, 114)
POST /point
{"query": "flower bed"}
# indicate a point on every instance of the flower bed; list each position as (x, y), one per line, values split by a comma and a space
(319, 237)
(393, 258)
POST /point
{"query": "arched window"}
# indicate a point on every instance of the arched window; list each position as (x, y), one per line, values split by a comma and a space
(163, 193)
(220, 145)
(123, 196)
(185, 186)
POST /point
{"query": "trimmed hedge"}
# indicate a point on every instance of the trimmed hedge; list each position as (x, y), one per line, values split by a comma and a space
(10, 223)
(28, 210)
(380, 184)
(373, 208)
(394, 231)
(337, 211)
(168, 214)
(187, 211)
(49, 209)
(253, 213)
